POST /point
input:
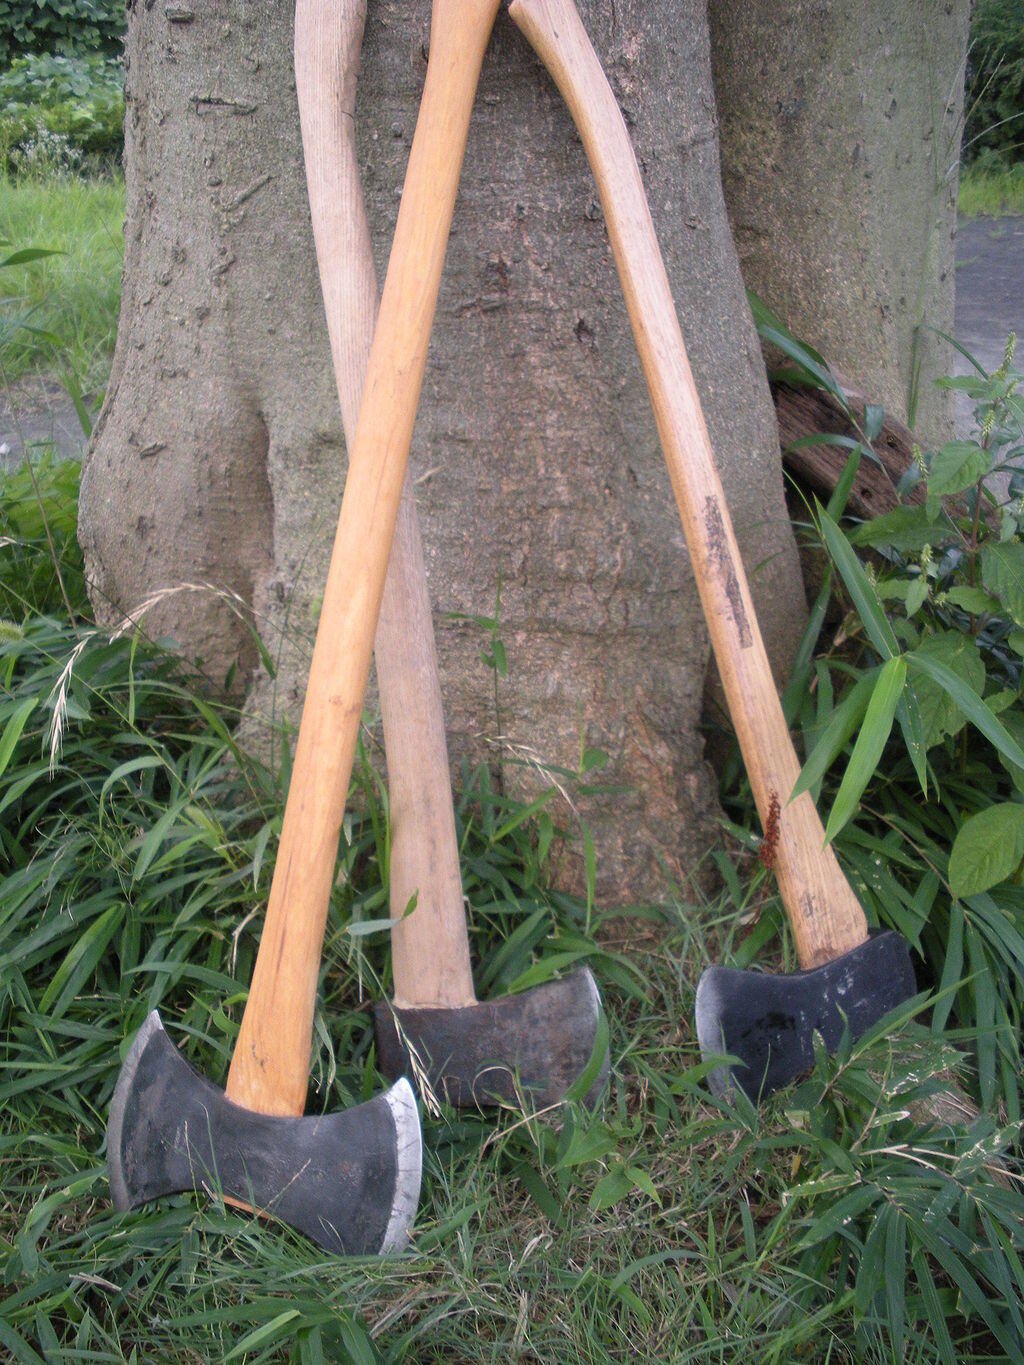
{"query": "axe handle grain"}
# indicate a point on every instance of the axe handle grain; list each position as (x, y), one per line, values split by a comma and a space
(270, 1065)
(430, 948)
(826, 916)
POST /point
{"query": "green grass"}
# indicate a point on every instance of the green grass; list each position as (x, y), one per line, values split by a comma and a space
(831, 1225)
(74, 295)
(991, 192)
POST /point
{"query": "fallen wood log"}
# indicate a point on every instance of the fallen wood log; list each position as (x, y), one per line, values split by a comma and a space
(805, 412)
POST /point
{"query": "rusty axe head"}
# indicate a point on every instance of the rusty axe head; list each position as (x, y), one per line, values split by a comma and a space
(349, 1181)
(532, 1046)
(768, 1022)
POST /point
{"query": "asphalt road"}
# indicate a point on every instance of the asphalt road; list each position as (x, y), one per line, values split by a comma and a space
(990, 287)
(989, 304)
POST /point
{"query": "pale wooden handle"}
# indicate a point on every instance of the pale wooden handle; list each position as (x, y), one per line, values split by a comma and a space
(430, 948)
(269, 1069)
(826, 916)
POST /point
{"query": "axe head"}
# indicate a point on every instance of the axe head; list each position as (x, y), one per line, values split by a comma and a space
(769, 1021)
(530, 1047)
(349, 1181)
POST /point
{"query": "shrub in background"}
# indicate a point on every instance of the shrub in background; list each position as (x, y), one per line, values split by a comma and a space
(994, 103)
(65, 26)
(54, 109)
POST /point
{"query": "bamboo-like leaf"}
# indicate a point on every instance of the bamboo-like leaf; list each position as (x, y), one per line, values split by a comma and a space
(26, 254)
(267, 1333)
(833, 738)
(859, 586)
(874, 734)
(13, 730)
(773, 330)
(80, 961)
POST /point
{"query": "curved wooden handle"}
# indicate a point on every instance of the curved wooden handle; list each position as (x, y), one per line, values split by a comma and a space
(826, 916)
(430, 948)
(269, 1069)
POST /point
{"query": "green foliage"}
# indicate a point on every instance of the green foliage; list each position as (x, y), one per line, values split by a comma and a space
(913, 721)
(991, 192)
(137, 841)
(54, 109)
(911, 1228)
(994, 101)
(62, 26)
(58, 312)
(40, 562)
(136, 849)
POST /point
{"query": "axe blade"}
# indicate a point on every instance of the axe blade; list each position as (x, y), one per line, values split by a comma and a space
(532, 1046)
(349, 1181)
(769, 1021)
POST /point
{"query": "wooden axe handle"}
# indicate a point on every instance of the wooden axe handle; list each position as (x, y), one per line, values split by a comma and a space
(826, 916)
(430, 948)
(270, 1065)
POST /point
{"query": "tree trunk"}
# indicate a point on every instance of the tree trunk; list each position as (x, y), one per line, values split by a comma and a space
(840, 135)
(219, 454)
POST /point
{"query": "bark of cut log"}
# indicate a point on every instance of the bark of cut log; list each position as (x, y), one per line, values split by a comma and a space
(805, 412)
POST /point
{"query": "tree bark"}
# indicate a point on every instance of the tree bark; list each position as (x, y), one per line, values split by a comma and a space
(219, 455)
(840, 136)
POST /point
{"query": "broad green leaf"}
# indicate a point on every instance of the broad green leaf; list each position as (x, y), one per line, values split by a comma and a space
(1014, 722)
(970, 384)
(973, 707)
(859, 586)
(904, 528)
(873, 737)
(917, 594)
(894, 589)
(940, 715)
(642, 1181)
(988, 848)
(975, 600)
(956, 466)
(587, 1145)
(611, 1188)
(1002, 572)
